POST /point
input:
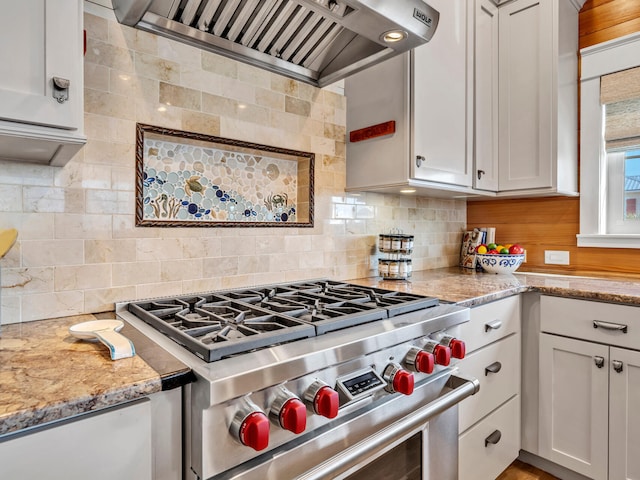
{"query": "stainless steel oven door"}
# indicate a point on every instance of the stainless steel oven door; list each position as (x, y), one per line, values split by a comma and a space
(411, 437)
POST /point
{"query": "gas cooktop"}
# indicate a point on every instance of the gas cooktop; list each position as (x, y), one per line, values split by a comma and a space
(222, 324)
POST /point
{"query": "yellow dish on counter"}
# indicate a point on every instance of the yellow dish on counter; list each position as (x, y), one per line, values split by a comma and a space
(7, 239)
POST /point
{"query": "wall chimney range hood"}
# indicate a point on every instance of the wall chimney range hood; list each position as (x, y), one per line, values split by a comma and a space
(315, 41)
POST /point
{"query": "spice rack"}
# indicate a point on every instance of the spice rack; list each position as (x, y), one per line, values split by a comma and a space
(397, 247)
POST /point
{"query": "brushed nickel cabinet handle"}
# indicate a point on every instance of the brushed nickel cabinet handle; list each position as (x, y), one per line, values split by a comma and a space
(60, 89)
(495, 367)
(495, 325)
(617, 365)
(610, 326)
(493, 439)
(480, 173)
(599, 361)
(419, 160)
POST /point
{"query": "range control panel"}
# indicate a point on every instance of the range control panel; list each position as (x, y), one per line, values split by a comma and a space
(358, 385)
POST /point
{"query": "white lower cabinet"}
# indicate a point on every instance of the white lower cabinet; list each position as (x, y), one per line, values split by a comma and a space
(104, 445)
(489, 421)
(589, 418)
(492, 444)
(624, 415)
(497, 367)
(573, 405)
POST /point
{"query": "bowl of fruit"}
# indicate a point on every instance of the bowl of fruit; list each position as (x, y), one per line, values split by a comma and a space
(495, 258)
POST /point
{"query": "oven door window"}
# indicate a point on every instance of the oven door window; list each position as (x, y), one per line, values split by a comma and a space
(403, 462)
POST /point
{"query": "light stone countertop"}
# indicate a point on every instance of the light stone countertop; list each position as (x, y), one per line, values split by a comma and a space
(46, 374)
(468, 288)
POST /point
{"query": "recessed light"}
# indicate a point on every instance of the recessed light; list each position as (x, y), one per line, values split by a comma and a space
(393, 36)
(162, 108)
(408, 190)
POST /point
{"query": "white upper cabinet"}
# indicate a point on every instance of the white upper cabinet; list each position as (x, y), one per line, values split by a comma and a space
(428, 93)
(442, 100)
(41, 81)
(486, 96)
(487, 108)
(538, 64)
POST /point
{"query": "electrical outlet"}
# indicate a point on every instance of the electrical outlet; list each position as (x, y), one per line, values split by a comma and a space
(556, 257)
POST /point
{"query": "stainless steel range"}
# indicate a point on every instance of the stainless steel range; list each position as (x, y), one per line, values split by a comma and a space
(317, 379)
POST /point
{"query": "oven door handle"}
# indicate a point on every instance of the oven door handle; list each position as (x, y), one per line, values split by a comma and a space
(388, 436)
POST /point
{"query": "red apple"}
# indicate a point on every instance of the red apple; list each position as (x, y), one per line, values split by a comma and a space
(516, 249)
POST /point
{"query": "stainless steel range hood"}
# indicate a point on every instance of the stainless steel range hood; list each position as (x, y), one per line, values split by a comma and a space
(314, 41)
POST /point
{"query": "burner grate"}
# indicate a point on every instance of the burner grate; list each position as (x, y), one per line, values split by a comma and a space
(222, 324)
(213, 327)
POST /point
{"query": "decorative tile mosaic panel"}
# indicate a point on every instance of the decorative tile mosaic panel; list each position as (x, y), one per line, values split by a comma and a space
(188, 179)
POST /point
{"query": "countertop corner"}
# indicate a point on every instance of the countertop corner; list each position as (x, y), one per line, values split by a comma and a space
(46, 374)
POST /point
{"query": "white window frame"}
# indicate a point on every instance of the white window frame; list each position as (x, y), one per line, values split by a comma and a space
(601, 59)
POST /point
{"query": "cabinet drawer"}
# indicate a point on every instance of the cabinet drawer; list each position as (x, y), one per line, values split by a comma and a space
(479, 460)
(491, 322)
(495, 388)
(575, 318)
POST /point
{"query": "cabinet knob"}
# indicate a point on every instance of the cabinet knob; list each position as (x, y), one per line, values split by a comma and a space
(480, 173)
(495, 367)
(495, 325)
(493, 438)
(60, 89)
(617, 365)
(599, 361)
(419, 160)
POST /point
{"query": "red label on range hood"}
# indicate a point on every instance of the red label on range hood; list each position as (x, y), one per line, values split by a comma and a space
(386, 128)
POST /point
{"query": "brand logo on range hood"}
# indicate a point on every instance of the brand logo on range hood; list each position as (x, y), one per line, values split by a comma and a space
(423, 17)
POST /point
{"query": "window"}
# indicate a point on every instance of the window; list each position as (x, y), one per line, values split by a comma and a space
(623, 191)
(610, 144)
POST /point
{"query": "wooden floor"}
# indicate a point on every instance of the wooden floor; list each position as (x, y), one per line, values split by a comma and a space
(522, 471)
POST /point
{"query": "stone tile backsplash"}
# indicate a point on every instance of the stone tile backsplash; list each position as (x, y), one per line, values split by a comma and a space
(78, 249)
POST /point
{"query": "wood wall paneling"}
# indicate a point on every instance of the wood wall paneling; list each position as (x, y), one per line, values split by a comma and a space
(602, 20)
(541, 224)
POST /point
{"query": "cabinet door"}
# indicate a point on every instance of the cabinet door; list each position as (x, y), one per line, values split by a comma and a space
(45, 42)
(526, 121)
(375, 95)
(114, 443)
(442, 99)
(574, 393)
(624, 416)
(486, 96)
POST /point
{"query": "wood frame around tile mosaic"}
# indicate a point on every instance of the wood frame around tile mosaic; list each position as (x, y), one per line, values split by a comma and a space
(187, 179)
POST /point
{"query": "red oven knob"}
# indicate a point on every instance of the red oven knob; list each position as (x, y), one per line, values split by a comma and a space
(289, 412)
(293, 416)
(324, 399)
(251, 427)
(398, 380)
(254, 431)
(441, 353)
(420, 360)
(327, 402)
(458, 348)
